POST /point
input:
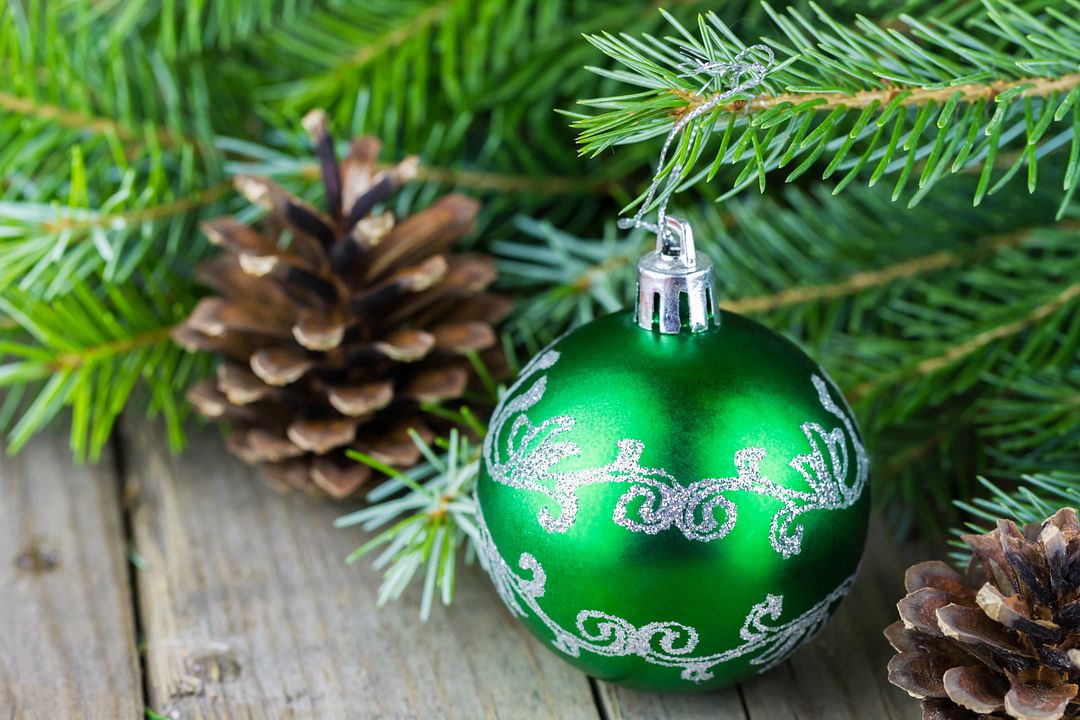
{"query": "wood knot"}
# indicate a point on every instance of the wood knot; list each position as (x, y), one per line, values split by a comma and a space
(38, 558)
(215, 666)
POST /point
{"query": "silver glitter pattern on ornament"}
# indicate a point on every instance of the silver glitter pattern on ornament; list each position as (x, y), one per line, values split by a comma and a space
(533, 451)
(665, 643)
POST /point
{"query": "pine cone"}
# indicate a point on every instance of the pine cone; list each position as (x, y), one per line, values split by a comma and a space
(1004, 641)
(333, 328)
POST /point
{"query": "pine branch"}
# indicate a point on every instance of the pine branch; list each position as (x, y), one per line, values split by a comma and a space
(1033, 421)
(47, 248)
(247, 160)
(108, 161)
(427, 525)
(85, 356)
(79, 226)
(74, 119)
(481, 74)
(875, 279)
(515, 184)
(187, 30)
(862, 102)
(1038, 497)
(392, 38)
(95, 352)
(62, 69)
(955, 354)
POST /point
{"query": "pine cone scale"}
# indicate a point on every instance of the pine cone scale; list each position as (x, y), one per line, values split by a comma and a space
(971, 626)
(361, 400)
(976, 688)
(1039, 701)
(1012, 613)
(427, 233)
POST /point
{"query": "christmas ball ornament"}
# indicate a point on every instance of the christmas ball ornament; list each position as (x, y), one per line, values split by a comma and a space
(673, 498)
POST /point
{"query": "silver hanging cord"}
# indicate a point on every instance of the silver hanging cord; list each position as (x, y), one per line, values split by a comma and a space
(674, 274)
(745, 74)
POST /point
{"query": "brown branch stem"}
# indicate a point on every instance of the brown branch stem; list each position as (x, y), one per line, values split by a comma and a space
(970, 92)
(78, 120)
(498, 182)
(156, 212)
(75, 360)
(857, 282)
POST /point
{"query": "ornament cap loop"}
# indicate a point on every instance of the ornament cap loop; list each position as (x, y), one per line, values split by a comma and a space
(668, 273)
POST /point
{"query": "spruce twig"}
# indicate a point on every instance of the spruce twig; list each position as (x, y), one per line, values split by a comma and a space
(860, 102)
(424, 528)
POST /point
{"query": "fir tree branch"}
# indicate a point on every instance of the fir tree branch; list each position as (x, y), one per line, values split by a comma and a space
(872, 279)
(517, 184)
(196, 29)
(1034, 422)
(409, 28)
(913, 454)
(96, 353)
(862, 102)
(583, 279)
(354, 60)
(511, 184)
(74, 119)
(245, 160)
(962, 350)
(425, 517)
(78, 226)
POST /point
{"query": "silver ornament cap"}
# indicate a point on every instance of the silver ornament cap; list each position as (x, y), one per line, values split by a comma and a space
(668, 273)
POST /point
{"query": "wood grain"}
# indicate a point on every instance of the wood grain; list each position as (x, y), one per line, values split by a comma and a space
(840, 674)
(67, 634)
(249, 613)
(621, 703)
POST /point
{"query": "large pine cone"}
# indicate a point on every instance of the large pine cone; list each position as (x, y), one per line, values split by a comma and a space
(1004, 641)
(334, 327)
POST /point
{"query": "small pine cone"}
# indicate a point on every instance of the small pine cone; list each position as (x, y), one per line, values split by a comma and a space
(334, 327)
(1002, 641)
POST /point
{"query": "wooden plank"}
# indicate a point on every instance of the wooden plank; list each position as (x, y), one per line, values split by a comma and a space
(621, 703)
(67, 634)
(840, 674)
(249, 612)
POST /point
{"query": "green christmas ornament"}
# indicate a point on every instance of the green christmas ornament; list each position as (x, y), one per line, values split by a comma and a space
(673, 498)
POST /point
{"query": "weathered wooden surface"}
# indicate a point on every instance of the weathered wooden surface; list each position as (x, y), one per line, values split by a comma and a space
(246, 611)
(249, 613)
(67, 634)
